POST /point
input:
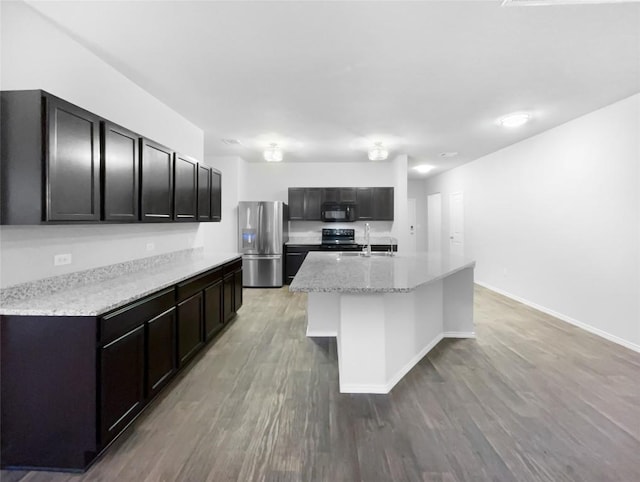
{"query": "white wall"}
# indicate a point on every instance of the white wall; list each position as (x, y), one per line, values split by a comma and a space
(555, 220)
(35, 54)
(271, 181)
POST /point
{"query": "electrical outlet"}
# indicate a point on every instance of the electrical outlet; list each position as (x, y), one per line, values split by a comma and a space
(151, 246)
(62, 259)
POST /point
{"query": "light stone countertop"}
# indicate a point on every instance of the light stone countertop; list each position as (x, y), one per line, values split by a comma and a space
(103, 295)
(323, 272)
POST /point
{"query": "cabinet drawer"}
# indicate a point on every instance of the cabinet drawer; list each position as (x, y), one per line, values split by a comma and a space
(124, 319)
(232, 266)
(190, 287)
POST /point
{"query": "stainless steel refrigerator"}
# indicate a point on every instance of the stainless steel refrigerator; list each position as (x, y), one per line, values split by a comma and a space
(263, 228)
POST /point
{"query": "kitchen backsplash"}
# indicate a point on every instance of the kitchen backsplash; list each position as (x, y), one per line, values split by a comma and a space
(314, 228)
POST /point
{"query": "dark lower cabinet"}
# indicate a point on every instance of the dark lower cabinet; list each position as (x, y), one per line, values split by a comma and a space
(122, 382)
(161, 351)
(294, 257)
(71, 384)
(190, 327)
(213, 321)
(228, 289)
(237, 291)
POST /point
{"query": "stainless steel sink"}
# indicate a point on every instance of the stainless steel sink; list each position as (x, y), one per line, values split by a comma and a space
(356, 254)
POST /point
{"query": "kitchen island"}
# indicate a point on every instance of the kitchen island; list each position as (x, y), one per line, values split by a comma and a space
(386, 312)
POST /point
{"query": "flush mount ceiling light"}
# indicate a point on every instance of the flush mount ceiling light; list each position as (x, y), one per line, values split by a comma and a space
(378, 152)
(272, 153)
(514, 120)
(423, 168)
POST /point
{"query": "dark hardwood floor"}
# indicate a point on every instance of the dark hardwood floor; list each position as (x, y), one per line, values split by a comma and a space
(531, 399)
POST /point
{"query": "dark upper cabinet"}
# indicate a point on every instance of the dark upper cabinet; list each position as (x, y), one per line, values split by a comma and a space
(339, 194)
(72, 159)
(382, 203)
(185, 188)
(364, 200)
(156, 187)
(313, 204)
(50, 160)
(61, 164)
(216, 195)
(204, 193)
(190, 334)
(296, 203)
(161, 350)
(305, 203)
(122, 382)
(120, 174)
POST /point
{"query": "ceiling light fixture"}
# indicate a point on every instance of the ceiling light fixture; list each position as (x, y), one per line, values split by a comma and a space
(423, 168)
(447, 155)
(515, 120)
(272, 153)
(378, 152)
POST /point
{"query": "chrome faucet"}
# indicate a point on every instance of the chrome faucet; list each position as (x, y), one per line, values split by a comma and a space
(366, 251)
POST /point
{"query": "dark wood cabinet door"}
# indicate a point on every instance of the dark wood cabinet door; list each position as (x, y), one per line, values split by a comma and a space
(313, 204)
(121, 382)
(156, 193)
(204, 193)
(237, 292)
(296, 203)
(382, 200)
(72, 155)
(213, 309)
(293, 261)
(364, 198)
(347, 194)
(161, 351)
(120, 173)
(216, 195)
(330, 194)
(228, 289)
(190, 334)
(185, 188)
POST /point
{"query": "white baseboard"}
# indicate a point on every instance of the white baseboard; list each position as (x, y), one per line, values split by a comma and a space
(565, 318)
(386, 387)
(321, 334)
(459, 334)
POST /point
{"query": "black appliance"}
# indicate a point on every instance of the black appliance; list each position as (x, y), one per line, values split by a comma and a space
(339, 239)
(333, 212)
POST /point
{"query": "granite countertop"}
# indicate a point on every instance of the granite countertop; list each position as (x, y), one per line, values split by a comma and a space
(340, 273)
(98, 296)
(317, 240)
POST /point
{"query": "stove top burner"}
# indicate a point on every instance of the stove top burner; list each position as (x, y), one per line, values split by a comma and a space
(338, 238)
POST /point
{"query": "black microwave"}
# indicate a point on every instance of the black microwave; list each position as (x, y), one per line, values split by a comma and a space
(333, 212)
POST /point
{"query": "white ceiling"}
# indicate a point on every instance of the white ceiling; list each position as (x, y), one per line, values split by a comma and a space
(327, 79)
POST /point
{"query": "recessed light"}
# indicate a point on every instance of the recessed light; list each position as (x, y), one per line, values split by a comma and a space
(378, 152)
(272, 153)
(514, 120)
(447, 155)
(230, 142)
(423, 168)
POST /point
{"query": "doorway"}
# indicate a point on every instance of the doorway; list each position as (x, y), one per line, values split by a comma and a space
(434, 222)
(456, 223)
